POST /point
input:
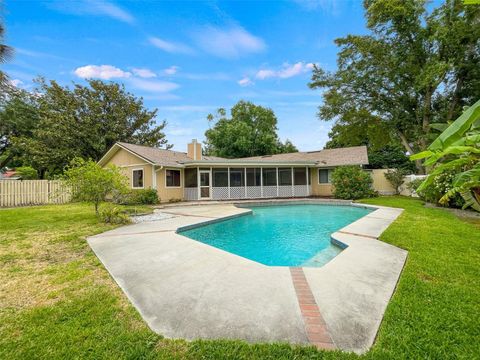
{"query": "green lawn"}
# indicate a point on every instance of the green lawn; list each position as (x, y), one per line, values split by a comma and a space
(57, 300)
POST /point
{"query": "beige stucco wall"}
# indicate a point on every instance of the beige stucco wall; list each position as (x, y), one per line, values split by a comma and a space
(127, 162)
(167, 194)
(319, 189)
(380, 182)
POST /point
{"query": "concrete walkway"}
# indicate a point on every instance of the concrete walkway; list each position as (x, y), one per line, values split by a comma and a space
(186, 289)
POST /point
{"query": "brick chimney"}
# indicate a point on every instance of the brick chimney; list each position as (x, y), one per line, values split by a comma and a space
(194, 150)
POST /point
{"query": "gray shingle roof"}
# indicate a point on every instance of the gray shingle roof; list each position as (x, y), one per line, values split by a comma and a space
(162, 156)
(356, 155)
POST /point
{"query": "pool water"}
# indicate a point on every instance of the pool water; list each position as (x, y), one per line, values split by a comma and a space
(285, 235)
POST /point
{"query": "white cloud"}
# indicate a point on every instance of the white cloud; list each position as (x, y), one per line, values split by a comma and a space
(286, 71)
(172, 70)
(111, 10)
(16, 82)
(228, 43)
(328, 6)
(171, 47)
(245, 81)
(105, 72)
(152, 85)
(144, 73)
(93, 7)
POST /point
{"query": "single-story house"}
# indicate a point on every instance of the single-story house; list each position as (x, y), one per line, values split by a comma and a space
(194, 176)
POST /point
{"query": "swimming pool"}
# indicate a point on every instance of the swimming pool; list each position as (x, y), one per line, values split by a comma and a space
(281, 235)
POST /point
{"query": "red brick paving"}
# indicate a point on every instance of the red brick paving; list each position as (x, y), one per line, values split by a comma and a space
(315, 327)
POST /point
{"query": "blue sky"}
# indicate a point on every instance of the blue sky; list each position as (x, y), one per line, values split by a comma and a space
(188, 58)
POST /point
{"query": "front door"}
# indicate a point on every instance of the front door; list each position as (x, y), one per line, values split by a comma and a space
(204, 184)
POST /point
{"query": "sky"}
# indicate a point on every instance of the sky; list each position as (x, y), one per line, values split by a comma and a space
(188, 59)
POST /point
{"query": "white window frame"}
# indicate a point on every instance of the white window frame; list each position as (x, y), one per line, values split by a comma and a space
(173, 187)
(329, 176)
(143, 178)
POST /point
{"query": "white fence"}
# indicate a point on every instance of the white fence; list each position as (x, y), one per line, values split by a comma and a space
(32, 192)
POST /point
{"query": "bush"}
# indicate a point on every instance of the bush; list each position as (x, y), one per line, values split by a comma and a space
(27, 173)
(145, 196)
(351, 182)
(92, 183)
(396, 178)
(442, 183)
(136, 197)
(414, 185)
(112, 214)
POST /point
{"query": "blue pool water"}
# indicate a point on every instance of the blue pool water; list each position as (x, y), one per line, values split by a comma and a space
(288, 235)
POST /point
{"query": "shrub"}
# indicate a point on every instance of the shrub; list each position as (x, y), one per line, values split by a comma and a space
(440, 185)
(27, 173)
(92, 183)
(414, 185)
(145, 196)
(136, 197)
(112, 214)
(351, 182)
(396, 178)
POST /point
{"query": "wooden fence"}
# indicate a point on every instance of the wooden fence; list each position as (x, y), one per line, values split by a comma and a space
(32, 192)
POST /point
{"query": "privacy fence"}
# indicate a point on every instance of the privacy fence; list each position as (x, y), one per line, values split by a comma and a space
(32, 192)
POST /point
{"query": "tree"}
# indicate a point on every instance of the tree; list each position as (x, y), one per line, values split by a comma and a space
(390, 157)
(19, 117)
(6, 52)
(413, 69)
(85, 122)
(90, 182)
(457, 149)
(250, 131)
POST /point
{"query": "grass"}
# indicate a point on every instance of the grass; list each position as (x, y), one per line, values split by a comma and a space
(57, 301)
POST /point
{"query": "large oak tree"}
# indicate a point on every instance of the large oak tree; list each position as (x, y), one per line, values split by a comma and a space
(414, 68)
(250, 131)
(83, 121)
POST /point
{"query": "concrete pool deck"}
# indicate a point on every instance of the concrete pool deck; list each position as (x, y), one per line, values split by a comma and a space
(186, 289)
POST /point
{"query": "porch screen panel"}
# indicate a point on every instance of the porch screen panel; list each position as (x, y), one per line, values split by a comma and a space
(300, 176)
(285, 176)
(253, 177)
(269, 177)
(220, 177)
(237, 177)
(191, 179)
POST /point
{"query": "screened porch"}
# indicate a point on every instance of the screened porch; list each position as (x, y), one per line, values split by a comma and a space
(222, 183)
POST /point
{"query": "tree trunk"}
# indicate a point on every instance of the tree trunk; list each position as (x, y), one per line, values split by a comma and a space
(406, 145)
(6, 161)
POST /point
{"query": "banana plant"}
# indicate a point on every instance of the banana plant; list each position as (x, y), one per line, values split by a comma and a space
(457, 147)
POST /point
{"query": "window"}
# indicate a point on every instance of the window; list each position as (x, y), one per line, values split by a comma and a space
(220, 177)
(324, 176)
(253, 177)
(237, 177)
(172, 178)
(300, 176)
(269, 177)
(285, 176)
(137, 178)
(191, 179)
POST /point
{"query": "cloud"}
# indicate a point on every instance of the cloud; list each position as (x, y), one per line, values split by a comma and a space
(286, 71)
(245, 82)
(144, 73)
(228, 43)
(152, 85)
(171, 47)
(16, 82)
(329, 6)
(172, 70)
(105, 72)
(93, 7)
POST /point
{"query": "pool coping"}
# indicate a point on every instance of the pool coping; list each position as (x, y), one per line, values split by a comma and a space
(337, 288)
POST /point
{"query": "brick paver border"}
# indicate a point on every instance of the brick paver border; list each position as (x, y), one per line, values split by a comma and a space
(315, 326)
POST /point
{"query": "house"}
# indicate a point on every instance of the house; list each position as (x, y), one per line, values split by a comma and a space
(194, 176)
(9, 174)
